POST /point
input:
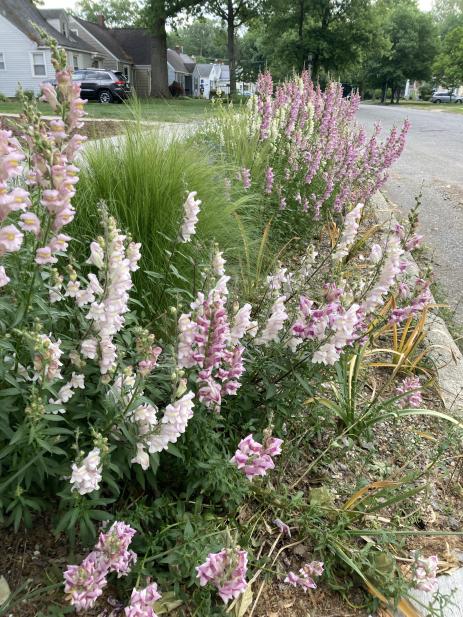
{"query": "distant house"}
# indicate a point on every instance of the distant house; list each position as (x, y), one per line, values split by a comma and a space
(214, 79)
(202, 75)
(24, 55)
(25, 58)
(111, 55)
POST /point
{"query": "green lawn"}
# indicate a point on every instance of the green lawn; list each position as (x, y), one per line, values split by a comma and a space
(449, 107)
(161, 110)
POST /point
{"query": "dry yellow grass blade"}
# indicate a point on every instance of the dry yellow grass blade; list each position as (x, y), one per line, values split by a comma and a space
(404, 605)
(366, 489)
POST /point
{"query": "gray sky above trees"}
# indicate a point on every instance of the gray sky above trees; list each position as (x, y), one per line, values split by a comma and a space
(425, 5)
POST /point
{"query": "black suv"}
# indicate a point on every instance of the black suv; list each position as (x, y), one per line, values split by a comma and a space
(101, 85)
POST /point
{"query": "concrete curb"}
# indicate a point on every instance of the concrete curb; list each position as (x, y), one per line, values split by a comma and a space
(449, 366)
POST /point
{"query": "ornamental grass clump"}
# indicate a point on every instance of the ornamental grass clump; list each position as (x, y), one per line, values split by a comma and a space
(144, 182)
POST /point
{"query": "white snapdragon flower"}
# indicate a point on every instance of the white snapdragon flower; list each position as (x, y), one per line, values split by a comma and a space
(275, 322)
(351, 225)
(86, 477)
(191, 211)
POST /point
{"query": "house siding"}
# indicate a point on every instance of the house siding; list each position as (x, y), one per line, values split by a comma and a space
(17, 50)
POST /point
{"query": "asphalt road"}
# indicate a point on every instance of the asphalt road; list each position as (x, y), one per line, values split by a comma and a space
(432, 163)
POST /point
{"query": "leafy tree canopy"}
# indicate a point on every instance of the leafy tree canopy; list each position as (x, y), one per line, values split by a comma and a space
(117, 13)
(448, 68)
(204, 38)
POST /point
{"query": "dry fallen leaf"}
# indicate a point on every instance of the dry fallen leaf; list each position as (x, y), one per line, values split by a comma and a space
(243, 602)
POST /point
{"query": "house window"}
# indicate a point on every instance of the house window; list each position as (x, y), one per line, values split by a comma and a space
(39, 68)
(75, 62)
(2, 61)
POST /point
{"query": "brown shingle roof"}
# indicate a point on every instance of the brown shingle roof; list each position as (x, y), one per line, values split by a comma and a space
(105, 37)
(136, 41)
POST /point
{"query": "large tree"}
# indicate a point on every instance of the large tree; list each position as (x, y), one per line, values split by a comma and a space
(327, 35)
(204, 38)
(235, 13)
(410, 50)
(117, 13)
(448, 67)
(156, 15)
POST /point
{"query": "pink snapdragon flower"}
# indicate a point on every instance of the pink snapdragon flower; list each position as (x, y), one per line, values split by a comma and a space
(10, 239)
(142, 602)
(413, 398)
(30, 222)
(414, 242)
(304, 578)
(269, 178)
(44, 256)
(255, 459)
(190, 217)
(245, 176)
(424, 572)
(84, 584)
(86, 477)
(114, 548)
(283, 527)
(226, 570)
(47, 354)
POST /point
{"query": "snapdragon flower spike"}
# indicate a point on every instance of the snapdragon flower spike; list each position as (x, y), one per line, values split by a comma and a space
(424, 572)
(190, 217)
(207, 342)
(317, 146)
(351, 225)
(255, 459)
(108, 294)
(157, 436)
(84, 584)
(113, 547)
(86, 477)
(410, 387)
(142, 602)
(226, 570)
(275, 323)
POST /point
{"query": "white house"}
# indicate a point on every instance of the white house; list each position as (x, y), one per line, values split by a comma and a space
(24, 56)
(210, 79)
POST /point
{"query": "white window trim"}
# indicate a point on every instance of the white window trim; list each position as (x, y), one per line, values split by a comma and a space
(38, 51)
(2, 53)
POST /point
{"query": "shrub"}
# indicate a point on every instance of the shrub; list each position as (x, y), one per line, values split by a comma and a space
(426, 91)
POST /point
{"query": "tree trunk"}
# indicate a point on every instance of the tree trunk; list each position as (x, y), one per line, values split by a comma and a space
(231, 45)
(383, 92)
(392, 94)
(159, 78)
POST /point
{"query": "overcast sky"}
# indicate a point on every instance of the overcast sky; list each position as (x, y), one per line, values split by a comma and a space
(69, 4)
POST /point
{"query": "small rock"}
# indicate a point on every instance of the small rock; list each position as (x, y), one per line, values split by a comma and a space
(4, 590)
(454, 523)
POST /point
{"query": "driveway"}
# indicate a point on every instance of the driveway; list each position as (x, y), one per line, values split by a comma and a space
(432, 163)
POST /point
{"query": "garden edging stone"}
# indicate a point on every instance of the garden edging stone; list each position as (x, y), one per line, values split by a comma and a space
(448, 360)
